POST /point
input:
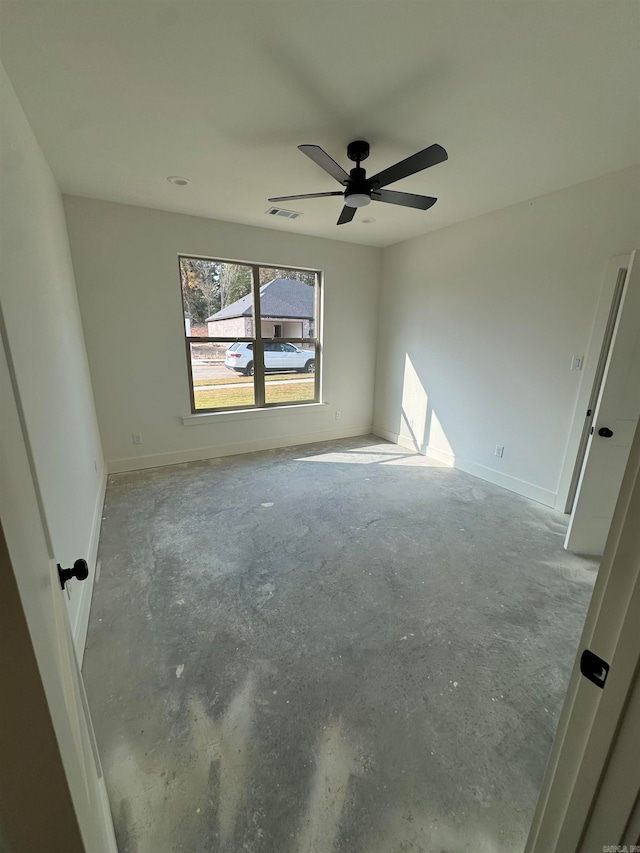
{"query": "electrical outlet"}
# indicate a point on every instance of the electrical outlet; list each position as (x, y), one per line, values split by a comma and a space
(338, 415)
(137, 437)
(499, 450)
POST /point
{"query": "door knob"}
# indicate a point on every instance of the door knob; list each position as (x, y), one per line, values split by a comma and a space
(605, 432)
(80, 571)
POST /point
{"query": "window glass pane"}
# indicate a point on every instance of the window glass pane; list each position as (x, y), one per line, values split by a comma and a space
(287, 303)
(217, 298)
(222, 375)
(289, 373)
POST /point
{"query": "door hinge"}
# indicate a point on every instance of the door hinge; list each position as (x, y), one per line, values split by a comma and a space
(594, 668)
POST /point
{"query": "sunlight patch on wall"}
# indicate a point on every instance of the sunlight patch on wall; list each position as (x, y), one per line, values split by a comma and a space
(420, 424)
(437, 439)
(415, 404)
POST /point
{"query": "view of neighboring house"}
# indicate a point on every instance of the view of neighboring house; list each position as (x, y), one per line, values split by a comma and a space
(286, 308)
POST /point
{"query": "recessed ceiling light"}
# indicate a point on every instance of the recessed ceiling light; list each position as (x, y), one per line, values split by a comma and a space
(178, 181)
(367, 219)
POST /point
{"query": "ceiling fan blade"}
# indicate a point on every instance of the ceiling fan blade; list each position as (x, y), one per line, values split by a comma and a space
(422, 202)
(416, 163)
(307, 195)
(322, 159)
(347, 215)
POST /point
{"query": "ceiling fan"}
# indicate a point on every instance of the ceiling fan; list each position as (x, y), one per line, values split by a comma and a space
(361, 190)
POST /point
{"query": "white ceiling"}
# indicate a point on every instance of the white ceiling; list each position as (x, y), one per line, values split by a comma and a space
(526, 96)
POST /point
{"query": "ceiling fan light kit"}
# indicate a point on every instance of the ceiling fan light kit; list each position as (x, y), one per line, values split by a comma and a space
(357, 199)
(360, 190)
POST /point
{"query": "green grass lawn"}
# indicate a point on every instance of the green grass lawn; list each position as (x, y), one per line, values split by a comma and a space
(223, 398)
(269, 377)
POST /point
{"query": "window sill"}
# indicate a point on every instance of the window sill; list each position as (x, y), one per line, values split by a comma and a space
(245, 414)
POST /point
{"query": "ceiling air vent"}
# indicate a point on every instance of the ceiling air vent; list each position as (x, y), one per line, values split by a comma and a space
(280, 211)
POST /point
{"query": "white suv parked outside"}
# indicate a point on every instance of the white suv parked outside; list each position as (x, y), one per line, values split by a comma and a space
(277, 357)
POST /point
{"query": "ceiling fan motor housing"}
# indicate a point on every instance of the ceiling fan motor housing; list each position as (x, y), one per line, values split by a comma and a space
(358, 191)
(358, 179)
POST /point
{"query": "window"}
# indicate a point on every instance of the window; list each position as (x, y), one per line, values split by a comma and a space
(250, 334)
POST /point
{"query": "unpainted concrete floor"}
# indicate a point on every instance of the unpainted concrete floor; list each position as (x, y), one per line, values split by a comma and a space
(335, 647)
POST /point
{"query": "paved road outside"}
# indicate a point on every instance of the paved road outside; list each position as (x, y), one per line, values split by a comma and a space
(205, 370)
(219, 371)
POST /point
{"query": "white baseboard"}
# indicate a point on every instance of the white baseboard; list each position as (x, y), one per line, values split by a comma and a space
(158, 460)
(443, 456)
(81, 624)
(401, 440)
(505, 481)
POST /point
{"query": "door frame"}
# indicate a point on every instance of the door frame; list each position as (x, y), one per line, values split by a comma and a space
(596, 388)
(591, 718)
(589, 375)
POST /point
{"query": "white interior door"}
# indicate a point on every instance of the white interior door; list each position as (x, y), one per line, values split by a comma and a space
(588, 795)
(34, 567)
(615, 419)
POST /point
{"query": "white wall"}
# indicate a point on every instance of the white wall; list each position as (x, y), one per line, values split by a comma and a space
(478, 324)
(126, 265)
(44, 334)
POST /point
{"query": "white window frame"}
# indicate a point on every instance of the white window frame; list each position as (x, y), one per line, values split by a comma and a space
(259, 391)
